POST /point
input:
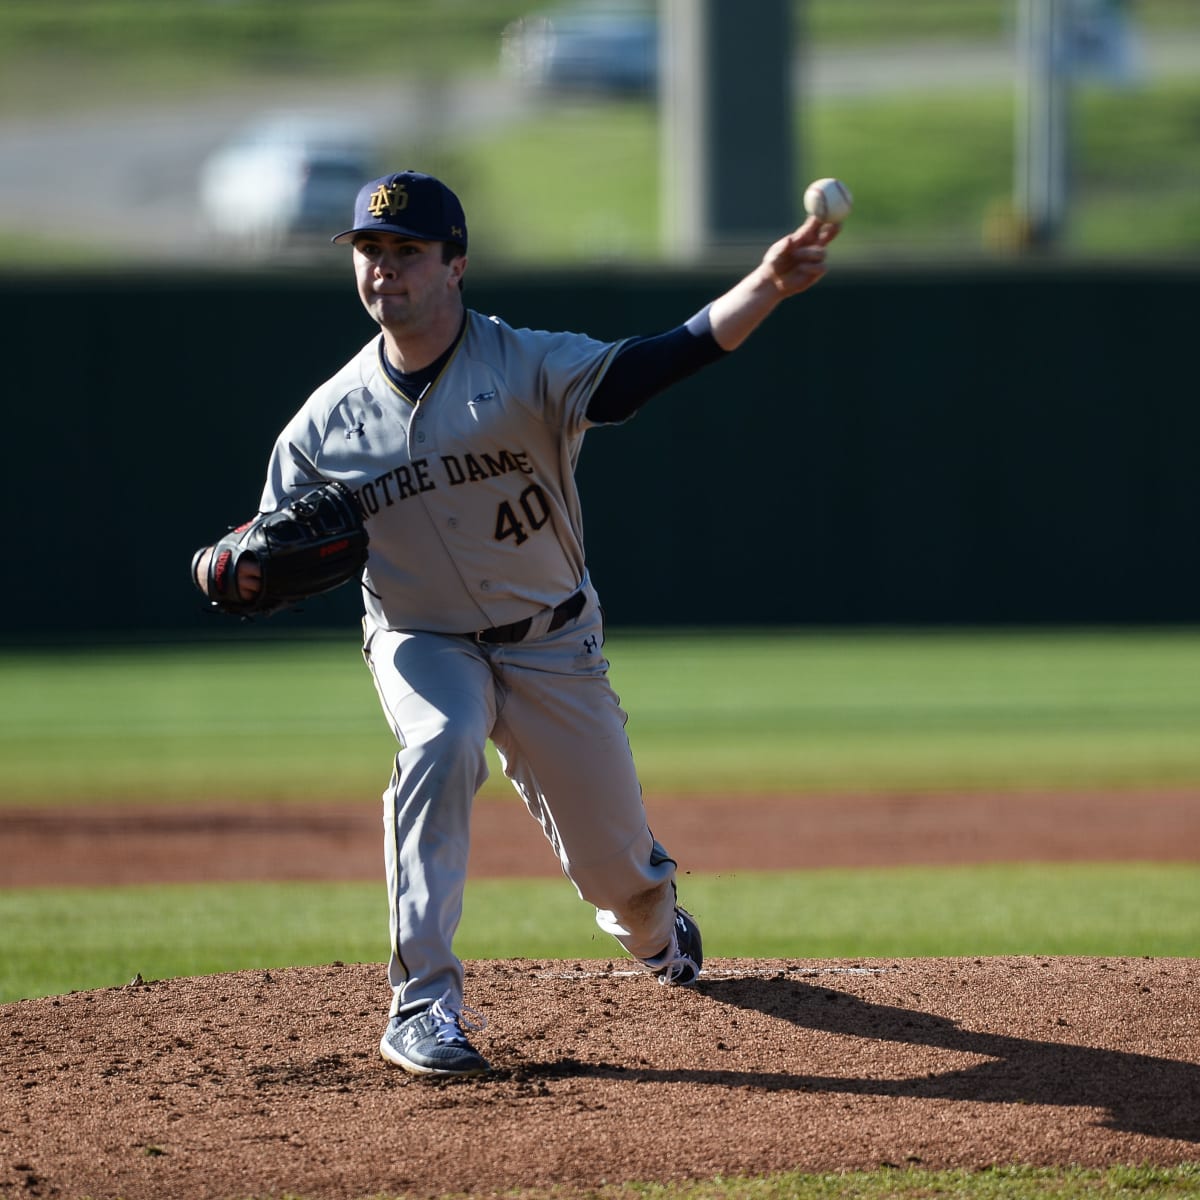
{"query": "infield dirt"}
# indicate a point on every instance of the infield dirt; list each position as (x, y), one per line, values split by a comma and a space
(268, 1082)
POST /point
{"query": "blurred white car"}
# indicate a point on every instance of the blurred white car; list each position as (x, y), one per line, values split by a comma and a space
(285, 179)
(604, 48)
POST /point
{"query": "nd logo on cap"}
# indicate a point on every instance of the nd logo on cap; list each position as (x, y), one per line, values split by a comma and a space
(388, 200)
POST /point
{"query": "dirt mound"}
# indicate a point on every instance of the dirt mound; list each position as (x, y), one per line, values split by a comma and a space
(260, 1083)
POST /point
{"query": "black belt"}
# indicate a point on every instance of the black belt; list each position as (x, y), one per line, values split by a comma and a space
(518, 631)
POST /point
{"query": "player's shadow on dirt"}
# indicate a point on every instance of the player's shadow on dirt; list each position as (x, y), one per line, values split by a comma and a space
(1141, 1094)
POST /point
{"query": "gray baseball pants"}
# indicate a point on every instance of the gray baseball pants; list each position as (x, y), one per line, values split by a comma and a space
(547, 705)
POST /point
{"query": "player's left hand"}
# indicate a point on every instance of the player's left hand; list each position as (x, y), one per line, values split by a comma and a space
(247, 581)
(310, 544)
(797, 261)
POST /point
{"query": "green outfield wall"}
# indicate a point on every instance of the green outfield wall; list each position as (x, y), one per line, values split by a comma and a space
(960, 445)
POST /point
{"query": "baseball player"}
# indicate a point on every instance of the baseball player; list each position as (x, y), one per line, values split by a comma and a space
(459, 435)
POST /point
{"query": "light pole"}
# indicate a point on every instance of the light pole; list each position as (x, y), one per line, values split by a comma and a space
(1043, 134)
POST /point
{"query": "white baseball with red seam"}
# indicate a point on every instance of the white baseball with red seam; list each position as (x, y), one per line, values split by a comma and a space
(829, 200)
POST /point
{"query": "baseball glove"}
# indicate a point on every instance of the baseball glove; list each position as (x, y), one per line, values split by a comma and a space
(307, 546)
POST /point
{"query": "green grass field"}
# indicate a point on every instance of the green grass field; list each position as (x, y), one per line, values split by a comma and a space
(754, 711)
(76, 939)
(911, 1183)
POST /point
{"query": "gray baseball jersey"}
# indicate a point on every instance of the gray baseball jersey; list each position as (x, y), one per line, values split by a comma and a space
(474, 522)
(470, 495)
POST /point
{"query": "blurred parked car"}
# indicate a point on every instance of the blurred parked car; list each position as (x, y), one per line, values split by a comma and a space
(609, 48)
(283, 180)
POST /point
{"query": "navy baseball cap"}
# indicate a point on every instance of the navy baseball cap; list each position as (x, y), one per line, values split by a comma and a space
(409, 203)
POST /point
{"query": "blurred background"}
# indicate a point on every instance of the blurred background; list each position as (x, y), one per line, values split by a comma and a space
(986, 414)
(216, 132)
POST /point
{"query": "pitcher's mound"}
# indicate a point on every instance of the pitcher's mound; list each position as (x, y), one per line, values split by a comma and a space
(261, 1083)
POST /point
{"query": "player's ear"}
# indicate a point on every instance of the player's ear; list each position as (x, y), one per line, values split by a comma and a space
(458, 268)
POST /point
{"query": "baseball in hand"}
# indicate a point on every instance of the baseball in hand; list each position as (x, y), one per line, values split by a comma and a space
(829, 200)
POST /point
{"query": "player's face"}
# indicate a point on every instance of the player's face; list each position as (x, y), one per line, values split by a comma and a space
(404, 283)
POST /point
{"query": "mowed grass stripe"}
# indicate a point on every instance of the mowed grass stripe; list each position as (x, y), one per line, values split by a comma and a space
(71, 939)
(757, 711)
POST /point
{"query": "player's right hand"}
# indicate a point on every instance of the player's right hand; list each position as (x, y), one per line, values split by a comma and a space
(797, 261)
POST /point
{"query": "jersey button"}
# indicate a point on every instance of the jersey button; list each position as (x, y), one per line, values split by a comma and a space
(453, 522)
(486, 585)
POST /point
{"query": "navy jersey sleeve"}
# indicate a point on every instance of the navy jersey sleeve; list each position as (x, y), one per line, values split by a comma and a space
(645, 366)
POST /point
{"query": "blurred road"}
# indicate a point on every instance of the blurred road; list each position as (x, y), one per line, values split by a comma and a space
(126, 174)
